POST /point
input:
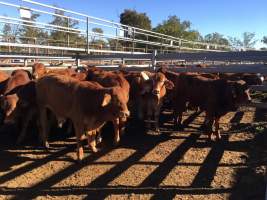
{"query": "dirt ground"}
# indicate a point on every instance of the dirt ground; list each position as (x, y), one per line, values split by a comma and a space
(169, 165)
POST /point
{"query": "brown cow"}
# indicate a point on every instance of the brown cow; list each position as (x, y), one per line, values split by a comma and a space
(9, 98)
(87, 104)
(152, 94)
(146, 94)
(20, 107)
(18, 78)
(39, 70)
(215, 97)
(112, 79)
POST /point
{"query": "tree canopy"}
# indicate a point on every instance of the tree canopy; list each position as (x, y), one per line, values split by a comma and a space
(216, 38)
(247, 41)
(133, 18)
(175, 27)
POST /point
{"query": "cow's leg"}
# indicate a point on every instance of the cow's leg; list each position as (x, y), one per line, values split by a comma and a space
(91, 140)
(217, 127)
(122, 123)
(149, 117)
(43, 127)
(156, 117)
(78, 133)
(210, 129)
(178, 115)
(116, 125)
(25, 124)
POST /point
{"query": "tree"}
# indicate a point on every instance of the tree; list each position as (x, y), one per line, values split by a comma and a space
(28, 33)
(61, 34)
(133, 18)
(175, 27)
(216, 38)
(97, 42)
(264, 39)
(246, 42)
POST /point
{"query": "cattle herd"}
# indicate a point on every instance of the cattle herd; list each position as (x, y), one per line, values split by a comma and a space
(86, 98)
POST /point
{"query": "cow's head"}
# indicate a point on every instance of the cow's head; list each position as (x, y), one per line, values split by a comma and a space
(38, 70)
(116, 101)
(156, 84)
(8, 104)
(240, 92)
(160, 84)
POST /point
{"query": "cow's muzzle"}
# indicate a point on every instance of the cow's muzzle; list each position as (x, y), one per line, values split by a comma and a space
(155, 92)
(125, 114)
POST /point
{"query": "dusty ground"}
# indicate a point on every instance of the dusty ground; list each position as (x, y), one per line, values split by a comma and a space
(170, 165)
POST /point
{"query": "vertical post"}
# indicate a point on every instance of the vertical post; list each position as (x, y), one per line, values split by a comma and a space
(154, 61)
(25, 62)
(77, 60)
(87, 35)
(146, 43)
(180, 44)
(68, 34)
(161, 44)
(133, 39)
(116, 45)
(123, 61)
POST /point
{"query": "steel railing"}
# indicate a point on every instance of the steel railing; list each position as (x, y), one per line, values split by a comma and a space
(123, 35)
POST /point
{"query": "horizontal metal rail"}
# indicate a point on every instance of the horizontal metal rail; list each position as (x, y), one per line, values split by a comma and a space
(253, 56)
(163, 40)
(121, 25)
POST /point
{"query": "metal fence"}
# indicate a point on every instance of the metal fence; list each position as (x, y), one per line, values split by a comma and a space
(117, 37)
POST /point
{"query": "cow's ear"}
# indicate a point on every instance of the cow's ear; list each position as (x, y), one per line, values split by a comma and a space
(106, 100)
(144, 76)
(169, 84)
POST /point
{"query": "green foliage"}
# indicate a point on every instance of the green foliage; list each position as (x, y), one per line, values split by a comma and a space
(27, 32)
(175, 27)
(98, 30)
(264, 39)
(65, 22)
(216, 38)
(247, 41)
(133, 18)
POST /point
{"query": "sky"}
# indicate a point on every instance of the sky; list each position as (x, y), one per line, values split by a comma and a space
(228, 17)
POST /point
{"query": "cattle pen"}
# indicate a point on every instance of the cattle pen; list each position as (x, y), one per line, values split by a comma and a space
(146, 165)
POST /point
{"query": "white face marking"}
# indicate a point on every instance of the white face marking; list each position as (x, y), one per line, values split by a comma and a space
(144, 76)
(262, 78)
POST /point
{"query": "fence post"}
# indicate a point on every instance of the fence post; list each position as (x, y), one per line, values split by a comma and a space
(68, 34)
(153, 59)
(77, 60)
(25, 62)
(87, 35)
(123, 61)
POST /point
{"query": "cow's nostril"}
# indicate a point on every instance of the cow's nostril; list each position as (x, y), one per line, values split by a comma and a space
(155, 92)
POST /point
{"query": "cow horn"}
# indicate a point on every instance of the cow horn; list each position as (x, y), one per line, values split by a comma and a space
(144, 76)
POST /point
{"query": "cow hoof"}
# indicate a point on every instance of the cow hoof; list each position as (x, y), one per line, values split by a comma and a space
(95, 150)
(212, 138)
(46, 145)
(115, 143)
(157, 130)
(178, 128)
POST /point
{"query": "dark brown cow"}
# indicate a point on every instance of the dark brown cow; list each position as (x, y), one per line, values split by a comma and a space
(112, 79)
(152, 93)
(19, 106)
(250, 79)
(215, 97)
(9, 98)
(146, 94)
(87, 104)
